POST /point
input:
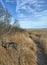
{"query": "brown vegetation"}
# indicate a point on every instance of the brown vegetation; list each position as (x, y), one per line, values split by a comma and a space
(25, 54)
(43, 42)
(40, 36)
(26, 50)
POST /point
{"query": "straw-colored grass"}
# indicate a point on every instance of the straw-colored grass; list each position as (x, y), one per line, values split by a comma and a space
(43, 42)
(24, 54)
(41, 38)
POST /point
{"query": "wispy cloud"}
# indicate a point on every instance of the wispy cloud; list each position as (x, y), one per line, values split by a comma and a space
(32, 7)
(2, 3)
(31, 13)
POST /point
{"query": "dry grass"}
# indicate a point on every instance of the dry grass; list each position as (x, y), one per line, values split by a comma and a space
(25, 54)
(8, 57)
(43, 42)
(26, 51)
(41, 37)
(34, 37)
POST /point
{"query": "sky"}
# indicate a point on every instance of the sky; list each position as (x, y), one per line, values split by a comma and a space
(29, 13)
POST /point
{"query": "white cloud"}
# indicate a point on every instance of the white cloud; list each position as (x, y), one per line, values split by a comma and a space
(36, 17)
(21, 3)
(38, 5)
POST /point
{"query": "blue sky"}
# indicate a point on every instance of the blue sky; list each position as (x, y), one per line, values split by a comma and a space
(30, 13)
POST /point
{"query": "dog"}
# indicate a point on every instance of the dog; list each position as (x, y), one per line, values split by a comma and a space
(6, 45)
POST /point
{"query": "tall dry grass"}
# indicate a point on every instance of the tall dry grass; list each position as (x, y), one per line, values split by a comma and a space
(43, 42)
(25, 53)
(34, 38)
(40, 39)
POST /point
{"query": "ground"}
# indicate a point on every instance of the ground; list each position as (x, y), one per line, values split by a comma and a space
(31, 48)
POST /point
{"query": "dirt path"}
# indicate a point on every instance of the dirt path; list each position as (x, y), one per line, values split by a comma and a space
(41, 55)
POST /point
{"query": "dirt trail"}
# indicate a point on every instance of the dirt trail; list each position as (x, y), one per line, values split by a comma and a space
(41, 55)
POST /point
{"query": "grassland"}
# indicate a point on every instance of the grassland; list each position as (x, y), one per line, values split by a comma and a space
(26, 52)
(41, 37)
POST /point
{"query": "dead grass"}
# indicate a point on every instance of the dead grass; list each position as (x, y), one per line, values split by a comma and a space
(8, 57)
(26, 51)
(40, 36)
(34, 37)
(27, 57)
(25, 54)
(43, 42)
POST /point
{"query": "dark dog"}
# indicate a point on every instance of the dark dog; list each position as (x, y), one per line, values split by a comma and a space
(9, 44)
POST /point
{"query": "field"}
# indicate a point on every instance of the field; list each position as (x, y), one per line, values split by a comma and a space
(31, 47)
